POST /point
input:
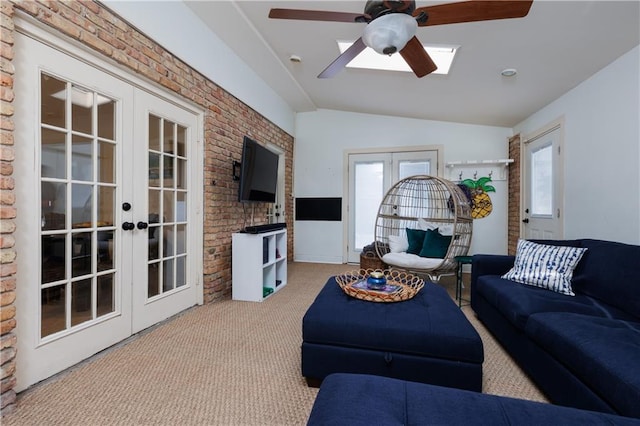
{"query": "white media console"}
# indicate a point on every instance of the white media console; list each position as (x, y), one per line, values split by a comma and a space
(259, 264)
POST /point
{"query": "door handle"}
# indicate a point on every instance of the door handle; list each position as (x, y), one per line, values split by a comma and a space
(526, 220)
(142, 225)
(128, 226)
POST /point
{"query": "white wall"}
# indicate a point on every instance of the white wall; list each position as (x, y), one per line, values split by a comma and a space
(602, 152)
(174, 26)
(323, 136)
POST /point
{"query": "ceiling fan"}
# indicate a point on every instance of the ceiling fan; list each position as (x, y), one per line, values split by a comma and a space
(392, 24)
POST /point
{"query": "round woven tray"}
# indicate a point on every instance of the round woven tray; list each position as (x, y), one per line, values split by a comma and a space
(407, 285)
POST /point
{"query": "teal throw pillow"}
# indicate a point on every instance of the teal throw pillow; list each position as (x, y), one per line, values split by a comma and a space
(435, 245)
(416, 240)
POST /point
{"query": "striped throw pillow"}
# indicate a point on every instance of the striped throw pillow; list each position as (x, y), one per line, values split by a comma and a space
(545, 266)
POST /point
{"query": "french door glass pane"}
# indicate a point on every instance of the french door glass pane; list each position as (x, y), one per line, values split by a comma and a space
(53, 310)
(81, 205)
(153, 280)
(542, 181)
(81, 158)
(53, 199)
(81, 301)
(106, 162)
(105, 294)
(52, 108)
(78, 193)
(167, 143)
(53, 154)
(168, 206)
(81, 110)
(81, 254)
(369, 190)
(106, 250)
(412, 168)
(181, 271)
(181, 141)
(54, 252)
(106, 205)
(106, 119)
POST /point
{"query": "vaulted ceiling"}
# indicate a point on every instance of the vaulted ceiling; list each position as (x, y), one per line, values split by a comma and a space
(558, 45)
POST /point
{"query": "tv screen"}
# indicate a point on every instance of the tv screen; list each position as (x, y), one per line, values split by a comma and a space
(258, 173)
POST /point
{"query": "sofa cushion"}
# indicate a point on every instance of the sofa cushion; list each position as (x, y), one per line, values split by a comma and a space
(518, 301)
(355, 399)
(602, 352)
(545, 266)
(609, 272)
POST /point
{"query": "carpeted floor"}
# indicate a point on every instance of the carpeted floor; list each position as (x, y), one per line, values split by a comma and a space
(227, 363)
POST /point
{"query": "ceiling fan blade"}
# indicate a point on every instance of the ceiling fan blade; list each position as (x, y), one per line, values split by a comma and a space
(418, 58)
(341, 61)
(317, 15)
(474, 10)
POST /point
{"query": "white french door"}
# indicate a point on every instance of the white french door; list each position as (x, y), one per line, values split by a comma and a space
(543, 184)
(369, 178)
(107, 223)
(162, 225)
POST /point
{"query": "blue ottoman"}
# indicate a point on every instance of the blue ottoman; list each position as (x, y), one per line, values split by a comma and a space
(354, 400)
(424, 339)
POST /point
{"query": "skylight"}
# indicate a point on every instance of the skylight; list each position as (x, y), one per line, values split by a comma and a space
(369, 59)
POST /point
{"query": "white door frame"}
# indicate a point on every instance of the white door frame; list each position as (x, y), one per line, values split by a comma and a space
(372, 152)
(558, 178)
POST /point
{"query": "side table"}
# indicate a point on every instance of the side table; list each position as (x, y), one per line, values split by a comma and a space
(462, 260)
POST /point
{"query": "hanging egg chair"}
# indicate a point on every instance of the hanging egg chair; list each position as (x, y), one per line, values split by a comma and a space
(423, 223)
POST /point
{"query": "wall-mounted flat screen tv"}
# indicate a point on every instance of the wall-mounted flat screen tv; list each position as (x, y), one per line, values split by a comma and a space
(258, 173)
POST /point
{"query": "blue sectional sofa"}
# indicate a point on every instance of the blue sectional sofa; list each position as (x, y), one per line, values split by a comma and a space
(364, 400)
(582, 351)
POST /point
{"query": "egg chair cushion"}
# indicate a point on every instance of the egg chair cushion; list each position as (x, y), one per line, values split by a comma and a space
(411, 261)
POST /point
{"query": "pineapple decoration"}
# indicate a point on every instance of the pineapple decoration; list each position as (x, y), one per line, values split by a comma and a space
(481, 205)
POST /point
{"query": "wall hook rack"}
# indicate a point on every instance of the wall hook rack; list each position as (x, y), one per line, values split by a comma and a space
(495, 169)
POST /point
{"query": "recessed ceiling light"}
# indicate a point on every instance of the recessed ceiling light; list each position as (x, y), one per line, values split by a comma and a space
(295, 58)
(509, 72)
(442, 55)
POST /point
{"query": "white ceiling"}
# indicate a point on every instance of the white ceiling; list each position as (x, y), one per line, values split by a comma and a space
(555, 47)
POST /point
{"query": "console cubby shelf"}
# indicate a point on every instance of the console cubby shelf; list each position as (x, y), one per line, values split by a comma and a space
(259, 264)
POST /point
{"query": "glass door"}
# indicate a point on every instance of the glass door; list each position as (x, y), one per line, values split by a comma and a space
(69, 162)
(78, 148)
(542, 205)
(160, 215)
(370, 177)
(110, 229)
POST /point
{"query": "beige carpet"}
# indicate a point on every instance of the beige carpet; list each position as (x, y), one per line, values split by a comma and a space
(227, 363)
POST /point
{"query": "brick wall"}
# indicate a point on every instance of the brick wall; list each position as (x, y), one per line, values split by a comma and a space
(226, 120)
(513, 219)
(7, 214)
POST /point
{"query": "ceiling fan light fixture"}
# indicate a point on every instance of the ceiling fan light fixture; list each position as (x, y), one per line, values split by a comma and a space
(389, 34)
